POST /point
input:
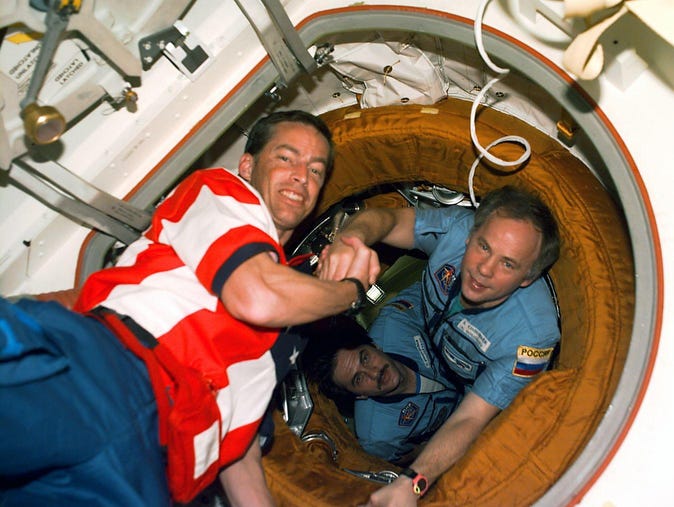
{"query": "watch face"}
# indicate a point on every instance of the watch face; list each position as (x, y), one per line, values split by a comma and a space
(419, 482)
(420, 485)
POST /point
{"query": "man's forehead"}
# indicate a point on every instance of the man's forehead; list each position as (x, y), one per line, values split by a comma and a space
(344, 367)
(350, 357)
(283, 127)
(523, 229)
(499, 221)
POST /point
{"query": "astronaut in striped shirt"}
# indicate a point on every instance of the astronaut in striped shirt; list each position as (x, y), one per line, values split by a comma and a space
(199, 300)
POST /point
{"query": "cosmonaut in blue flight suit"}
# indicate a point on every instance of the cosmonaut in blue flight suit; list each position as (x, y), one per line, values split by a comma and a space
(489, 315)
(392, 426)
(495, 351)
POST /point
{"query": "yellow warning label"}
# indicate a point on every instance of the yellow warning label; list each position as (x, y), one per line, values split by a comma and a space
(22, 37)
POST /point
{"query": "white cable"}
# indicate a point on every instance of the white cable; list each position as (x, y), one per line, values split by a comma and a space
(471, 174)
(477, 31)
(483, 152)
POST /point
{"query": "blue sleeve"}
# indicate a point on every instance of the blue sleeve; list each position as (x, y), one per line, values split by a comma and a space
(432, 224)
(528, 334)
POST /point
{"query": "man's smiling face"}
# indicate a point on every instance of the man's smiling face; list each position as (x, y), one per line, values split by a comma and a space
(289, 173)
(498, 260)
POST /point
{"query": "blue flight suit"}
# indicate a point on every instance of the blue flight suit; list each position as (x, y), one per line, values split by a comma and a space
(494, 352)
(392, 426)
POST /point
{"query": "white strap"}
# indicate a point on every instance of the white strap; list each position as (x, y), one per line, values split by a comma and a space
(583, 8)
(585, 57)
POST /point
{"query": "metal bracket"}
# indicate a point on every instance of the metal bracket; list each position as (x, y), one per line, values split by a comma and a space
(567, 128)
(278, 36)
(322, 436)
(297, 402)
(179, 45)
(76, 198)
(383, 477)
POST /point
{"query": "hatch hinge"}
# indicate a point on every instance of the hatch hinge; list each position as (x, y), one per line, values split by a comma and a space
(279, 38)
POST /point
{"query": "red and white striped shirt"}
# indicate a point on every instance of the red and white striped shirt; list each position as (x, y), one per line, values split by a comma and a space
(169, 282)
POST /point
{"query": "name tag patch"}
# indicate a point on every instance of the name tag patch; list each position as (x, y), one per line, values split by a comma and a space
(423, 353)
(475, 334)
(408, 414)
(458, 364)
(531, 361)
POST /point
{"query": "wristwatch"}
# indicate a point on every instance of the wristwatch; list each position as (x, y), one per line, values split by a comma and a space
(419, 482)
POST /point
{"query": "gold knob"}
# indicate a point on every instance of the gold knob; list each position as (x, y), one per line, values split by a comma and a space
(43, 124)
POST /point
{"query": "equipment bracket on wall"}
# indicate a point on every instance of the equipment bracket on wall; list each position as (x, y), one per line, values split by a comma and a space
(278, 36)
(70, 195)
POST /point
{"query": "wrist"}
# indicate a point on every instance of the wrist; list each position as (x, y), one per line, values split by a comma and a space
(359, 302)
(420, 483)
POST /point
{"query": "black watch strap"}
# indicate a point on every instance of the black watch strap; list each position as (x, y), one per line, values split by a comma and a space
(360, 301)
(419, 482)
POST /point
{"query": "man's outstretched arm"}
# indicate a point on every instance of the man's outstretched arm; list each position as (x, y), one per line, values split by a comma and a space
(265, 293)
(444, 449)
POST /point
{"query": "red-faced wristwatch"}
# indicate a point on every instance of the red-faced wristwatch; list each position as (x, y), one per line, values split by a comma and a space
(419, 482)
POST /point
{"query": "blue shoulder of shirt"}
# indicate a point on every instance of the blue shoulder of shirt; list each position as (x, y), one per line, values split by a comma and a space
(432, 223)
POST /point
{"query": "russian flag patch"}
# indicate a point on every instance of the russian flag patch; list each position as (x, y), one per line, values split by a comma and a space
(531, 361)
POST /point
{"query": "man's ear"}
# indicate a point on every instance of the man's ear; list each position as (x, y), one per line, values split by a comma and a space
(528, 281)
(246, 164)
